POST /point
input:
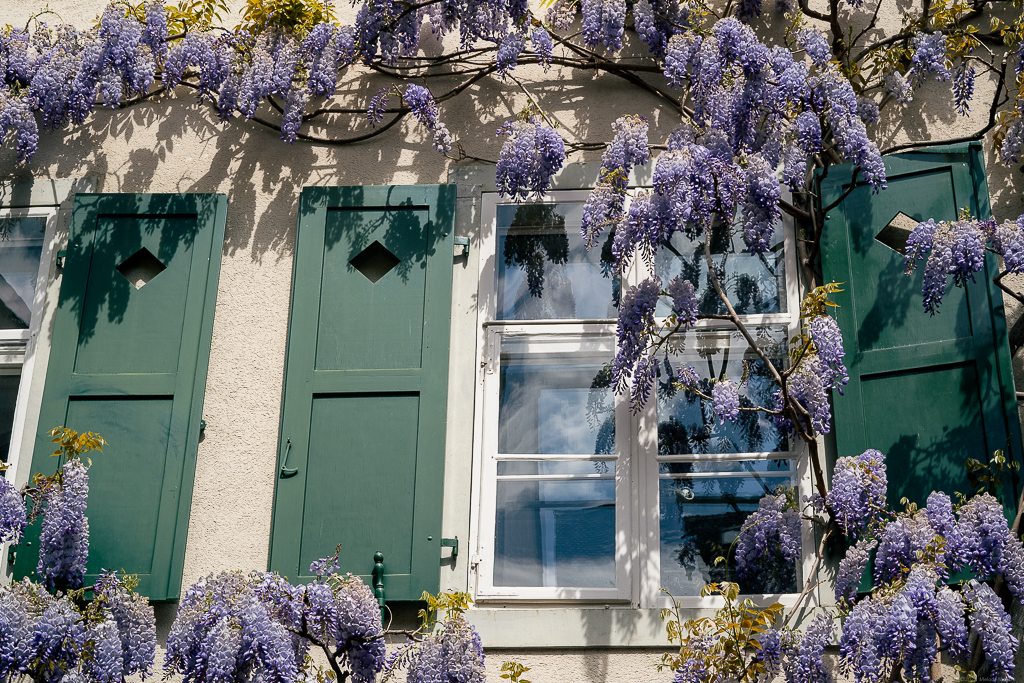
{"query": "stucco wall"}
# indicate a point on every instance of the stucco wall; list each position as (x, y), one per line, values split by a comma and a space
(174, 144)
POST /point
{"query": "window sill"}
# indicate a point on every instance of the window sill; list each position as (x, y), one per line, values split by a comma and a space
(571, 627)
(597, 625)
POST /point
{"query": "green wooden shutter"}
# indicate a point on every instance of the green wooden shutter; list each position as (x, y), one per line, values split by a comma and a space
(929, 391)
(130, 363)
(365, 391)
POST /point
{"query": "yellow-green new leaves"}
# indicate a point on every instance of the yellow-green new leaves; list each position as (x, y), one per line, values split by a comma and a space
(513, 671)
(71, 444)
(453, 603)
(293, 16)
(726, 644)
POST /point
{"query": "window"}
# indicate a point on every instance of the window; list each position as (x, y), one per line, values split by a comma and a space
(578, 498)
(25, 246)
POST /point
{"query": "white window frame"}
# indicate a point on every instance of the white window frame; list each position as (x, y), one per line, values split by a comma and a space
(21, 346)
(560, 336)
(645, 425)
(54, 199)
(637, 471)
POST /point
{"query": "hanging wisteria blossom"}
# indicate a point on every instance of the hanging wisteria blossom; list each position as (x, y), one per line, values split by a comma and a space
(64, 537)
(533, 153)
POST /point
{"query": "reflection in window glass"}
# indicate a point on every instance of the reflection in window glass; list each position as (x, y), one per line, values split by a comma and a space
(702, 507)
(543, 269)
(8, 397)
(556, 533)
(687, 423)
(20, 250)
(755, 283)
(555, 404)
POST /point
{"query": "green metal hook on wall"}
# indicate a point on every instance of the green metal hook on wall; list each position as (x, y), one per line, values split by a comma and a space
(285, 470)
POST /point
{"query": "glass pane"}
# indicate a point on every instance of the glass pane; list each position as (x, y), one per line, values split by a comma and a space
(555, 533)
(21, 246)
(701, 515)
(543, 270)
(687, 423)
(555, 467)
(555, 404)
(8, 397)
(755, 283)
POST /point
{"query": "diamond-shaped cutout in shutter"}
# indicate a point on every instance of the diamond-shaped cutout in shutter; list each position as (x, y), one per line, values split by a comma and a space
(375, 261)
(894, 235)
(140, 268)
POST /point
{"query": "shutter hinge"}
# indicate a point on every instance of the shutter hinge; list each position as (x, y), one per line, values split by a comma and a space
(461, 246)
(452, 543)
(61, 255)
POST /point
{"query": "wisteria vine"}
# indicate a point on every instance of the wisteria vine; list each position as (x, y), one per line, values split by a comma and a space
(745, 115)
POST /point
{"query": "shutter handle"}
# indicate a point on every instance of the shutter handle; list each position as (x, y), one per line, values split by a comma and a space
(285, 470)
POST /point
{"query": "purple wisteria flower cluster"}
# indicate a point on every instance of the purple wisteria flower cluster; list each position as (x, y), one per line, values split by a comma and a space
(805, 663)
(819, 368)
(224, 627)
(757, 111)
(808, 387)
(957, 249)
(13, 516)
(47, 632)
(64, 536)
(725, 396)
(628, 149)
(773, 531)
(109, 639)
(632, 359)
(452, 654)
(858, 490)
(911, 613)
(532, 154)
(131, 618)
(905, 627)
(424, 109)
(233, 624)
(62, 73)
(827, 338)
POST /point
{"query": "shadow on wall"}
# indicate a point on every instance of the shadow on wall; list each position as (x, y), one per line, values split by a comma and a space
(176, 144)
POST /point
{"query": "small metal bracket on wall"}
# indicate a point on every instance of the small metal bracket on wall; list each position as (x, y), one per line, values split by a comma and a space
(461, 246)
(452, 543)
(61, 255)
(378, 579)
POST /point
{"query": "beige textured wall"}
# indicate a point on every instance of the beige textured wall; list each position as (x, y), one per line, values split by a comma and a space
(174, 144)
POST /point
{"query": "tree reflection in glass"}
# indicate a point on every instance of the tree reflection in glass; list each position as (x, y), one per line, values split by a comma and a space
(544, 270)
(703, 504)
(755, 283)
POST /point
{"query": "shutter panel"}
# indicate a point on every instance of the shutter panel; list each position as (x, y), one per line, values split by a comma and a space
(366, 380)
(928, 391)
(130, 362)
